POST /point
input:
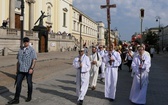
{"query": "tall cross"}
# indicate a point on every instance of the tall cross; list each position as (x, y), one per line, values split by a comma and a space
(108, 6)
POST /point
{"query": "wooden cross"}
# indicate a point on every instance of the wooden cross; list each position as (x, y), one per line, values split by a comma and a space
(108, 6)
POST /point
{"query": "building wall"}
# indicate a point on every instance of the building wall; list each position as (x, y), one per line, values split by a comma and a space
(165, 36)
(101, 33)
(88, 28)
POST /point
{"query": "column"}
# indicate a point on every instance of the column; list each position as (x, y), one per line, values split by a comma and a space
(31, 13)
(12, 14)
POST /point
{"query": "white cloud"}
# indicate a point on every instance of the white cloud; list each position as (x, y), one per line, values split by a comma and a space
(126, 9)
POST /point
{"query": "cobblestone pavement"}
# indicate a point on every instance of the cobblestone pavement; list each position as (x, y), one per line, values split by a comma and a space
(54, 84)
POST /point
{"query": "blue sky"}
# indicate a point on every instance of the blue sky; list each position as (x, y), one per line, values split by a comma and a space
(126, 16)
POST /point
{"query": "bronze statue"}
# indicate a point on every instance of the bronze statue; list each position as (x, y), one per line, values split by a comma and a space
(40, 19)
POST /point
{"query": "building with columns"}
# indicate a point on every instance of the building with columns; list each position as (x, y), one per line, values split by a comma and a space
(60, 17)
(59, 13)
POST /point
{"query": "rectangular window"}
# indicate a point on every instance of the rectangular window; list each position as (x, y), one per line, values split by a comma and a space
(64, 20)
(74, 26)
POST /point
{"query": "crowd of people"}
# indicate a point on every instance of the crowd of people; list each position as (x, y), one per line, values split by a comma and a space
(105, 62)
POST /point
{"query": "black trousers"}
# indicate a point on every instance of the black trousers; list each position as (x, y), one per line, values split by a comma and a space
(20, 77)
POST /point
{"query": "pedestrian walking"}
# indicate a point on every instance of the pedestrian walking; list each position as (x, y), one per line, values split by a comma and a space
(25, 67)
(152, 50)
(112, 61)
(102, 53)
(96, 61)
(82, 64)
(141, 66)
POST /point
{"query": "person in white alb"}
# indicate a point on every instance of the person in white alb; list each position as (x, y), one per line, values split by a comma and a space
(82, 64)
(112, 61)
(129, 58)
(96, 61)
(102, 53)
(140, 67)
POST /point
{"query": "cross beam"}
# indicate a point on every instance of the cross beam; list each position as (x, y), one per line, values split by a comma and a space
(108, 6)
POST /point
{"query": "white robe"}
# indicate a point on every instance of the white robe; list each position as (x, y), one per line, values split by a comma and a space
(102, 54)
(82, 82)
(111, 74)
(137, 95)
(94, 68)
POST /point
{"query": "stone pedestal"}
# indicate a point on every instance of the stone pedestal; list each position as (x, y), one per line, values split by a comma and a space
(43, 38)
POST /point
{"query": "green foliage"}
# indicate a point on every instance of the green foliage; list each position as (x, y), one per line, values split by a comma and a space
(151, 38)
(120, 42)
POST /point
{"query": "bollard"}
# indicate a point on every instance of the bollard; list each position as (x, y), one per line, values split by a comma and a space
(5, 51)
(62, 49)
(69, 49)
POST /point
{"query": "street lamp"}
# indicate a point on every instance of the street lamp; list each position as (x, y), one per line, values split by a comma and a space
(158, 20)
(22, 22)
(141, 17)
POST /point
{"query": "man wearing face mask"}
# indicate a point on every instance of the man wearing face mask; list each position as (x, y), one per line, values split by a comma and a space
(25, 67)
(112, 61)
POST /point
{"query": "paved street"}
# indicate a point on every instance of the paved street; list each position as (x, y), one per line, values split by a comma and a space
(54, 82)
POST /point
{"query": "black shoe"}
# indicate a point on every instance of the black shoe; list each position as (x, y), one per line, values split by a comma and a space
(93, 88)
(111, 100)
(14, 101)
(80, 102)
(28, 99)
(101, 79)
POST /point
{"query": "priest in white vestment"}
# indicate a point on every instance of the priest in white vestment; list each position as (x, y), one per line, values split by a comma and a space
(96, 61)
(82, 65)
(112, 61)
(102, 53)
(140, 68)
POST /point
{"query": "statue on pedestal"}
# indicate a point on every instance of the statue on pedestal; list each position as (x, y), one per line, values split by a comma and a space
(40, 19)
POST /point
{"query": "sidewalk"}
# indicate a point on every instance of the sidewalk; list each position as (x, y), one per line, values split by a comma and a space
(11, 60)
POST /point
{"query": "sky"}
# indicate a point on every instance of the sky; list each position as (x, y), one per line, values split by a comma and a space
(126, 16)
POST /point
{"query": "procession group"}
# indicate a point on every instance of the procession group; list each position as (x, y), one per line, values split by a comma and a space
(108, 60)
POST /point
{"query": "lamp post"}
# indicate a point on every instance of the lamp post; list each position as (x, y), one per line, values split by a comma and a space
(80, 21)
(141, 17)
(158, 20)
(22, 22)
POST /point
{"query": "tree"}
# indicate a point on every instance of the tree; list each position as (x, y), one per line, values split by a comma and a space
(151, 38)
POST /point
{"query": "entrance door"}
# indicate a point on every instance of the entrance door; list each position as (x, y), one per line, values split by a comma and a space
(17, 21)
(42, 44)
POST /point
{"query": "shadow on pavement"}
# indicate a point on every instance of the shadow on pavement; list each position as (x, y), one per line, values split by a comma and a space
(9, 75)
(5, 93)
(68, 63)
(67, 88)
(72, 98)
(67, 81)
(71, 75)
